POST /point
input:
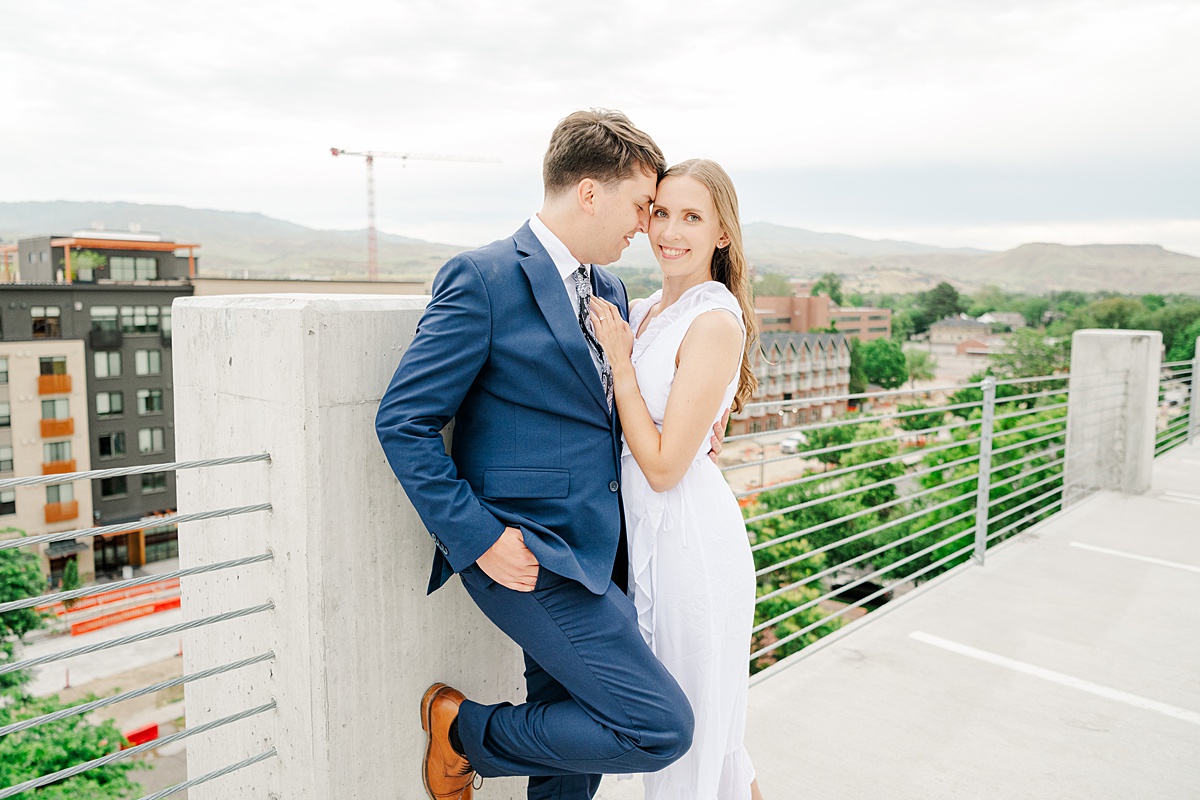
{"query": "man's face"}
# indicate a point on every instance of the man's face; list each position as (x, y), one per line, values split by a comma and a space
(621, 211)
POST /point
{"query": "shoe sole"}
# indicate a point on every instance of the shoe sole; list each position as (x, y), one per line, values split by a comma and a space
(427, 725)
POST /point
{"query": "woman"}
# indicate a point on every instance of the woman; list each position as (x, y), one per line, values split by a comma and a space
(677, 366)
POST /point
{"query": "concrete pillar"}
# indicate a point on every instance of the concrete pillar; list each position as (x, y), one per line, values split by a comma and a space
(1111, 414)
(356, 640)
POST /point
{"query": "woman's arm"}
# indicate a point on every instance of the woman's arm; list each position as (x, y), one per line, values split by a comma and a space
(708, 359)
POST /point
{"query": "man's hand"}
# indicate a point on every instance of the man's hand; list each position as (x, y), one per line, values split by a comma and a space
(718, 435)
(510, 563)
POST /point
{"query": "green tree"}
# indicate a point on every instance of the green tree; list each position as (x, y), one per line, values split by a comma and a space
(1115, 312)
(902, 326)
(1184, 346)
(829, 284)
(831, 436)
(1034, 309)
(884, 363)
(921, 366)
(919, 422)
(1032, 354)
(938, 303)
(51, 746)
(70, 579)
(1153, 302)
(858, 378)
(772, 284)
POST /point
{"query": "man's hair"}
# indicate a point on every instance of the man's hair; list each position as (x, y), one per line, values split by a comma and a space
(599, 144)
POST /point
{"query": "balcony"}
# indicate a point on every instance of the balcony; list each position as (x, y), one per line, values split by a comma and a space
(52, 428)
(61, 512)
(58, 467)
(54, 384)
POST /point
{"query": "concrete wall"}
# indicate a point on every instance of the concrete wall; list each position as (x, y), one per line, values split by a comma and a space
(1111, 411)
(355, 638)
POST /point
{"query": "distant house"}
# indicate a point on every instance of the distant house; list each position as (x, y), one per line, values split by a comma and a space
(955, 330)
(799, 370)
(988, 345)
(1001, 319)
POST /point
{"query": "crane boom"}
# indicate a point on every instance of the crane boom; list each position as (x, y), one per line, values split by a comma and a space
(369, 156)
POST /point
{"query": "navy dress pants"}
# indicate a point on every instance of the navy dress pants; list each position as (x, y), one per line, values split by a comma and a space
(598, 700)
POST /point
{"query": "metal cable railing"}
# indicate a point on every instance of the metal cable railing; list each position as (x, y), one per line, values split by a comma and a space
(822, 539)
(1178, 419)
(63, 598)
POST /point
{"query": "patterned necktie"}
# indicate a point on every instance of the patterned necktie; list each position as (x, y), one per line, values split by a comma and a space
(583, 296)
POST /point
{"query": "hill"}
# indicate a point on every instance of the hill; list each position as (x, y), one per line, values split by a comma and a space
(237, 244)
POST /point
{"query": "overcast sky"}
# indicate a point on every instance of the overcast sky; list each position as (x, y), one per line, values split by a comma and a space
(956, 123)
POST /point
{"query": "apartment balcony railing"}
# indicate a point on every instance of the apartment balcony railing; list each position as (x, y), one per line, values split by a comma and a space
(307, 629)
(54, 384)
(52, 428)
(58, 467)
(59, 512)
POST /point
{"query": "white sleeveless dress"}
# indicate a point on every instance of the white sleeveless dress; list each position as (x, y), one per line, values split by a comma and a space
(691, 572)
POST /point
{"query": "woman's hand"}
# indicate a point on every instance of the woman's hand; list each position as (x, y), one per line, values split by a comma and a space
(612, 332)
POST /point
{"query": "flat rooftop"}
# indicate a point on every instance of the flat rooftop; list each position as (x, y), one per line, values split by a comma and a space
(1068, 666)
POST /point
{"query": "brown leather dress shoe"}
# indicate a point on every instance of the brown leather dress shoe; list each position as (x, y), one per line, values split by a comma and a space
(447, 775)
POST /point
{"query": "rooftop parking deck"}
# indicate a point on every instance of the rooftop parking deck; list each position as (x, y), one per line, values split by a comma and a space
(1067, 667)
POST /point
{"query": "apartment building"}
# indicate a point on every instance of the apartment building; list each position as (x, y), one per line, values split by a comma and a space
(803, 368)
(44, 431)
(805, 313)
(108, 301)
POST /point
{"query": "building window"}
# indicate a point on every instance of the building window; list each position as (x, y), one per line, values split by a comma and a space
(110, 404)
(162, 543)
(104, 318)
(139, 319)
(147, 362)
(154, 482)
(56, 451)
(112, 487)
(56, 409)
(151, 440)
(6, 458)
(52, 365)
(5, 415)
(150, 401)
(8, 501)
(3, 370)
(166, 323)
(112, 445)
(60, 493)
(108, 365)
(46, 322)
(126, 268)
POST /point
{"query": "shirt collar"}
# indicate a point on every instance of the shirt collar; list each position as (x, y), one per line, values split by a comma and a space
(558, 252)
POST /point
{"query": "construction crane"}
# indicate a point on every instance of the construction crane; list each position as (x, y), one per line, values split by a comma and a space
(370, 156)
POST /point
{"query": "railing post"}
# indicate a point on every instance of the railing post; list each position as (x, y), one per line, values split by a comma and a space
(983, 489)
(1193, 396)
(1112, 410)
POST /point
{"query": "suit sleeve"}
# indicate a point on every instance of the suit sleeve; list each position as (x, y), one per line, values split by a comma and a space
(448, 351)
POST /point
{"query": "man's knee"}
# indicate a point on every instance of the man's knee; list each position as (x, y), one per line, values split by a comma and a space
(669, 736)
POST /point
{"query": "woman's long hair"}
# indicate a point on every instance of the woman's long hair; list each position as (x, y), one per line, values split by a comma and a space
(729, 262)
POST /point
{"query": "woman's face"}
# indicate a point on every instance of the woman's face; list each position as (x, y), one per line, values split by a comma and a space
(684, 230)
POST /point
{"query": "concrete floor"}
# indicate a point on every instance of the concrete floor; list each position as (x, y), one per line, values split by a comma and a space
(1055, 671)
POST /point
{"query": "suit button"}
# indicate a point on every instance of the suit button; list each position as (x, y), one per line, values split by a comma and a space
(613, 486)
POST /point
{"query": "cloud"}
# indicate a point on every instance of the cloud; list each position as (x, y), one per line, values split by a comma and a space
(234, 105)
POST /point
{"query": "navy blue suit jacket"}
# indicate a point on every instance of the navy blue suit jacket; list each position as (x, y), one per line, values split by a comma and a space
(499, 350)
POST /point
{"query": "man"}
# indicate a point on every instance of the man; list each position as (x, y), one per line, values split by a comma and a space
(526, 508)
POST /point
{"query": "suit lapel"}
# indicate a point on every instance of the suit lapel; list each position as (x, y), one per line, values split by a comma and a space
(555, 305)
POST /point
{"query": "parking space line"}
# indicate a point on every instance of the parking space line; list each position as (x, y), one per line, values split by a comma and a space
(1057, 677)
(1134, 556)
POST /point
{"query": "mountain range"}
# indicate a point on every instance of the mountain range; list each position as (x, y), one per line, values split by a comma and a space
(255, 245)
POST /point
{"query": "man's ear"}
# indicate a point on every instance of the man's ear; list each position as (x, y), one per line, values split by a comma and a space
(585, 194)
